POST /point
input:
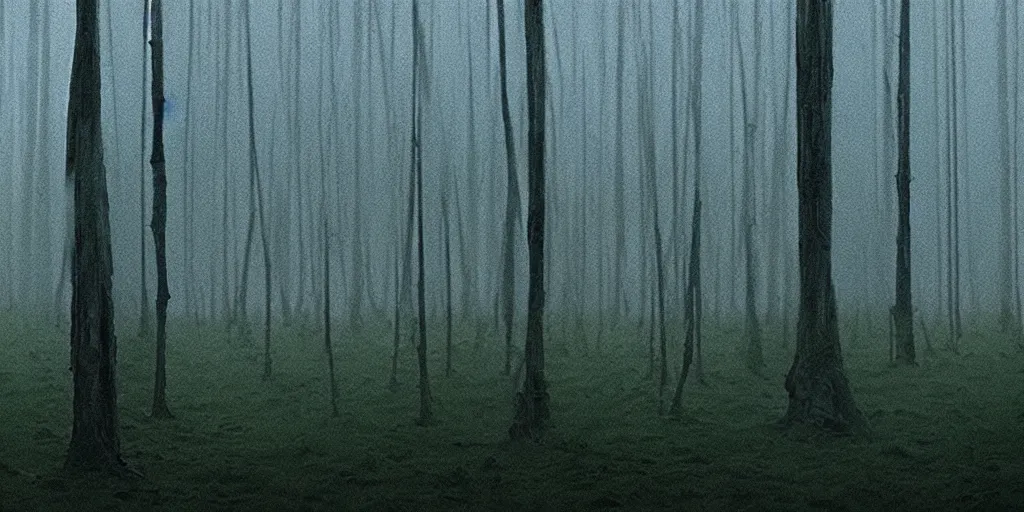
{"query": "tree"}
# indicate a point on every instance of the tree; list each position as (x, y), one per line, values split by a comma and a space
(324, 219)
(819, 393)
(512, 200)
(532, 401)
(95, 441)
(256, 187)
(426, 413)
(754, 354)
(159, 222)
(144, 302)
(903, 314)
(692, 300)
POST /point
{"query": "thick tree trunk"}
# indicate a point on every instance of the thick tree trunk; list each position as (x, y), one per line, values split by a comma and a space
(532, 401)
(95, 442)
(903, 314)
(159, 222)
(819, 393)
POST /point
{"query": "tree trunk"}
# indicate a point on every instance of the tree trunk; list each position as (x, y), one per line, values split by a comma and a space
(95, 442)
(324, 219)
(903, 314)
(532, 401)
(447, 284)
(819, 393)
(159, 222)
(144, 296)
(512, 200)
(255, 172)
(426, 413)
(754, 354)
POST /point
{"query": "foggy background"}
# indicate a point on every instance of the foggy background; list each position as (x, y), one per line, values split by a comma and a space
(371, 99)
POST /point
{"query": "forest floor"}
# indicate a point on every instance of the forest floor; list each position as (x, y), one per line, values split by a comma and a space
(946, 435)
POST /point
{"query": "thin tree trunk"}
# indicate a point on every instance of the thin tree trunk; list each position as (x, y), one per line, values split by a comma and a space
(903, 313)
(532, 401)
(159, 221)
(512, 201)
(426, 413)
(324, 220)
(144, 297)
(255, 170)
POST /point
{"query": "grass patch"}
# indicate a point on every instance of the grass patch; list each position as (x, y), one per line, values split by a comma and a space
(948, 434)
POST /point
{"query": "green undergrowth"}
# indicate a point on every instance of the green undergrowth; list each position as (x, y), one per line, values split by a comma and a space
(947, 434)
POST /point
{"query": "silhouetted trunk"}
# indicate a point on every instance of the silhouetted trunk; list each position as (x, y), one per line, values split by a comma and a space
(447, 285)
(159, 222)
(532, 401)
(324, 219)
(426, 414)
(819, 393)
(512, 206)
(903, 314)
(144, 296)
(95, 441)
(692, 299)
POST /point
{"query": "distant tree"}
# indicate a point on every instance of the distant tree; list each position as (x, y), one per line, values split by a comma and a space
(532, 400)
(95, 440)
(754, 353)
(819, 393)
(692, 299)
(903, 313)
(325, 222)
(256, 188)
(1007, 315)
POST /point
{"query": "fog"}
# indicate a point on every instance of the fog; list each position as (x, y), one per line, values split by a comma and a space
(365, 118)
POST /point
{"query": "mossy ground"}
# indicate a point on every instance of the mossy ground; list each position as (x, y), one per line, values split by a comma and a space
(948, 434)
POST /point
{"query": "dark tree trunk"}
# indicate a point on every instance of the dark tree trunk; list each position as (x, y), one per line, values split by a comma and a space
(426, 413)
(754, 353)
(159, 222)
(95, 442)
(903, 314)
(532, 401)
(819, 393)
(512, 200)
(144, 296)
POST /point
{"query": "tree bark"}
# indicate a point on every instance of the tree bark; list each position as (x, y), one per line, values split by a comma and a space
(532, 401)
(95, 442)
(819, 393)
(426, 412)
